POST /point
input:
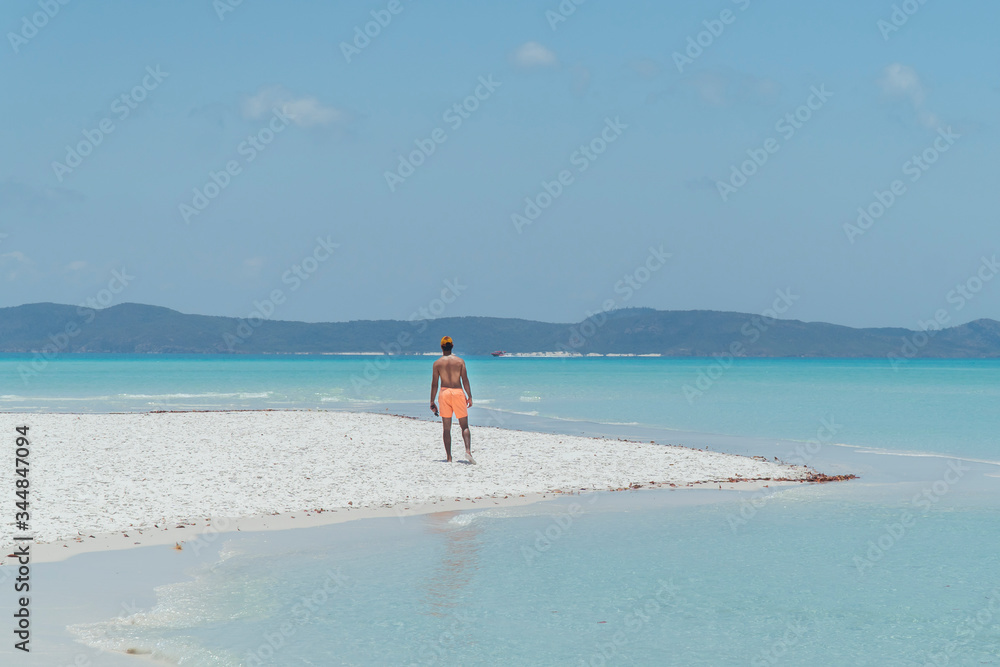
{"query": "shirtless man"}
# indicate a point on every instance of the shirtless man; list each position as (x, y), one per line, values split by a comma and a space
(450, 370)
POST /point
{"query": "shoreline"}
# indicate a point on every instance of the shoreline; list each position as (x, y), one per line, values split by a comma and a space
(134, 464)
(140, 571)
(187, 534)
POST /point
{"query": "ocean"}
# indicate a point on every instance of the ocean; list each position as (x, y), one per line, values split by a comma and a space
(945, 406)
(898, 567)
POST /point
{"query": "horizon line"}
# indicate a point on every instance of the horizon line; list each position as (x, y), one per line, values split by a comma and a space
(495, 317)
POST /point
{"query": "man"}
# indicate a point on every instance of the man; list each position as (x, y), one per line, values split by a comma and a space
(450, 370)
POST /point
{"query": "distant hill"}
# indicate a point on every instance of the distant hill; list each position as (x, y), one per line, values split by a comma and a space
(136, 328)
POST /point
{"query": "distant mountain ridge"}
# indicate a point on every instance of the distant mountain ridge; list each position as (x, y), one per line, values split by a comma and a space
(135, 328)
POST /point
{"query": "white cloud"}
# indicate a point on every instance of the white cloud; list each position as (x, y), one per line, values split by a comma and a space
(902, 82)
(14, 265)
(304, 111)
(533, 54)
(78, 265)
(725, 88)
(712, 87)
(929, 120)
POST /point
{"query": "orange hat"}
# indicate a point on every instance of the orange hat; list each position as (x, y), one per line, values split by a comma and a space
(447, 340)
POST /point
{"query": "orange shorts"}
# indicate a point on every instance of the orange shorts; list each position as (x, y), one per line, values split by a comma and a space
(452, 400)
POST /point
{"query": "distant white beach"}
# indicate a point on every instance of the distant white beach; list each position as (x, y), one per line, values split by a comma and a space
(533, 355)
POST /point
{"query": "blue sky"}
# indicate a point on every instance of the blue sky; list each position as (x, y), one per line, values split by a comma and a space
(641, 137)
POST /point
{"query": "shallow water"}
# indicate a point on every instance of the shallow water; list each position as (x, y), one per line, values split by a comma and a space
(605, 579)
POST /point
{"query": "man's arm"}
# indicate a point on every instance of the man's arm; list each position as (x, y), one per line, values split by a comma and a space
(468, 387)
(435, 376)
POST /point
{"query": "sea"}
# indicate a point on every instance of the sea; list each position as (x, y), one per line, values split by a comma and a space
(900, 566)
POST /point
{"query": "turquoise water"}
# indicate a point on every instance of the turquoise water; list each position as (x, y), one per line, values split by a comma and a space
(936, 406)
(616, 585)
(897, 568)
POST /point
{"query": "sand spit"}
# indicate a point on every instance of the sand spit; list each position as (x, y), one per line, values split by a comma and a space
(115, 473)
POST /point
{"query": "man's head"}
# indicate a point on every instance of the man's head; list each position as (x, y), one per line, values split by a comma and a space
(447, 344)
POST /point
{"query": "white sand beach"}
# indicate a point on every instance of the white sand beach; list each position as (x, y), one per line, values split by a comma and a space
(119, 480)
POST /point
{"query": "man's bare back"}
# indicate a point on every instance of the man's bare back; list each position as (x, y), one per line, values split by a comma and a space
(450, 370)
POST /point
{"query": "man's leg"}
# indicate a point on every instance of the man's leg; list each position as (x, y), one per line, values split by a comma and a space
(466, 436)
(446, 422)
